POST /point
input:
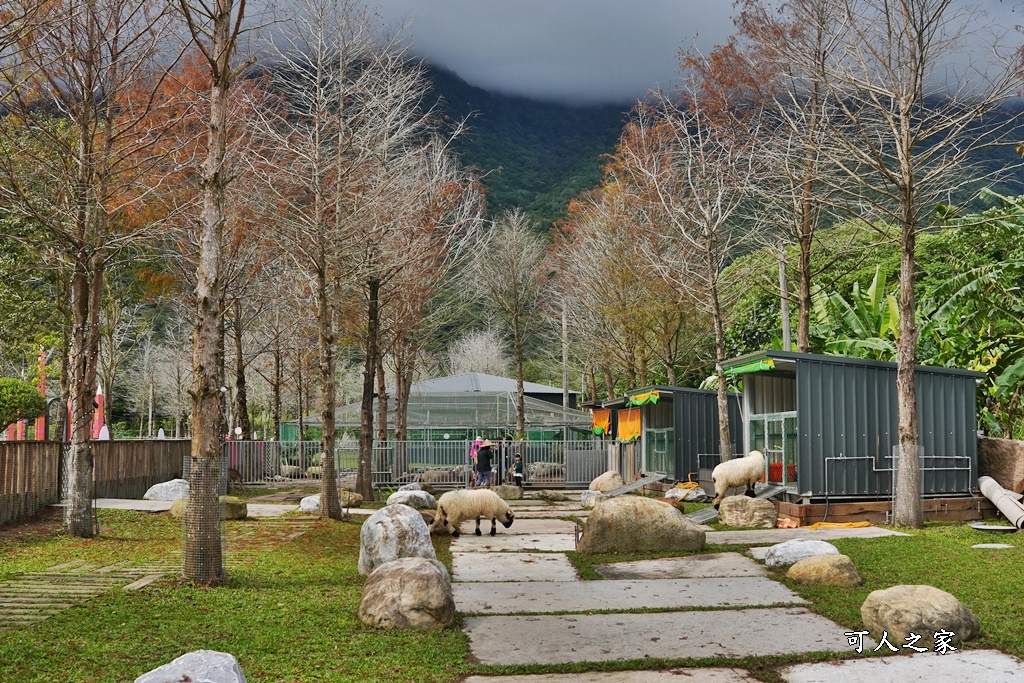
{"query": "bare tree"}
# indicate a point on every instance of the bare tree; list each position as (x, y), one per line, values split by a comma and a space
(215, 28)
(506, 275)
(911, 90)
(480, 351)
(692, 176)
(77, 142)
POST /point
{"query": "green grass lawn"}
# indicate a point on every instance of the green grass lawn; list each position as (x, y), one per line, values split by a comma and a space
(289, 612)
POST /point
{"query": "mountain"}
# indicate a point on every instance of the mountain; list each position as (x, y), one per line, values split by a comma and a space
(534, 155)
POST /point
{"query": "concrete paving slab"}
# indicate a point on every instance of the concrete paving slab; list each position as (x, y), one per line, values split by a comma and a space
(544, 514)
(522, 527)
(693, 566)
(140, 505)
(516, 597)
(666, 676)
(504, 542)
(512, 567)
(611, 637)
(773, 536)
(268, 509)
(999, 546)
(990, 666)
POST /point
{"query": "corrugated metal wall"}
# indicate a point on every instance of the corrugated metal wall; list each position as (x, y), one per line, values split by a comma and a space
(696, 421)
(849, 411)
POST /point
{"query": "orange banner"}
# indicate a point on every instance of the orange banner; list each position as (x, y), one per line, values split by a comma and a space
(602, 421)
(629, 424)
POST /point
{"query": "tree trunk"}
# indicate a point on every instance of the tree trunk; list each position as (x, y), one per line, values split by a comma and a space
(364, 477)
(517, 342)
(203, 548)
(907, 506)
(803, 325)
(301, 405)
(241, 397)
(609, 383)
(276, 390)
(403, 384)
(382, 399)
(724, 436)
(330, 501)
(86, 291)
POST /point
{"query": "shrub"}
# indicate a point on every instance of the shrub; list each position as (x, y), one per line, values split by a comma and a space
(19, 401)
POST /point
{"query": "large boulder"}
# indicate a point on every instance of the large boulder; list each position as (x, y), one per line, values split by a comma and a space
(393, 532)
(311, 504)
(608, 481)
(168, 490)
(234, 508)
(411, 592)
(792, 551)
(421, 500)
(1003, 460)
(629, 524)
(507, 492)
(825, 570)
(590, 499)
(414, 486)
(201, 666)
(922, 610)
(747, 512)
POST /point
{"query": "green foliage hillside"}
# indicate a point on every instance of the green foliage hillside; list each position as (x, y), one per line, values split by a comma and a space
(536, 155)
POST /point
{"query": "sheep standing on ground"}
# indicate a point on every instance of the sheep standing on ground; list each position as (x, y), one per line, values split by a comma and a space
(737, 472)
(455, 507)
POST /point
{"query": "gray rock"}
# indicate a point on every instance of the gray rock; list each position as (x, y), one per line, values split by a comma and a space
(676, 494)
(922, 610)
(747, 512)
(350, 499)
(589, 499)
(310, 505)
(391, 533)
(414, 486)
(826, 570)
(637, 524)
(420, 500)
(201, 666)
(697, 495)
(507, 492)
(168, 490)
(552, 496)
(607, 481)
(792, 551)
(411, 592)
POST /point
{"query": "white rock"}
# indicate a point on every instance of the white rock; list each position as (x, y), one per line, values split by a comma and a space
(676, 494)
(391, 533)
(411, 592)
(591, 498)
(414, 486)
(421, 500)
(310, 505)
(201, 666)
(792, 551)
(168, 490)
(697, 495)
(607, 481)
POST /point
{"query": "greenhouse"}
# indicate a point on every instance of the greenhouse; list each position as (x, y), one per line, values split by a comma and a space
(464, 406)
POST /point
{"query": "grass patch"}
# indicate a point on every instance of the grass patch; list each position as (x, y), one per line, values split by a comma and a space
(288, 613)
(988, 582)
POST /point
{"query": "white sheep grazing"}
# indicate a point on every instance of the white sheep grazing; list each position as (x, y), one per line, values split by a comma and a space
(737, 472)
(455, 507)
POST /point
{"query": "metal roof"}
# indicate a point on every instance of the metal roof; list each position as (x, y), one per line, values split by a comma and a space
(478, 381)
(791, 357)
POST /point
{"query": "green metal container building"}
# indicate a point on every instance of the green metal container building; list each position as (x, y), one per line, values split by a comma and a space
(828, 424)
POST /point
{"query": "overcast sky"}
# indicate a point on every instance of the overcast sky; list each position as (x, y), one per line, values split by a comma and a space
(570, 50)
(573, 50)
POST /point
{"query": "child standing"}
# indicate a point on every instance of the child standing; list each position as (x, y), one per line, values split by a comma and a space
(517, 470)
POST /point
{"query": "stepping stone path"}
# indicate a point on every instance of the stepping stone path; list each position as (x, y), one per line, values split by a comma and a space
(510, 587)
(34, 596)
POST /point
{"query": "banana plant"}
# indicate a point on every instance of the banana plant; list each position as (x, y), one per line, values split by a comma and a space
(865, 325)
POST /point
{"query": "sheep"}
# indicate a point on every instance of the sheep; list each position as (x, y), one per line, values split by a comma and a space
(455, 507)
(737, 472)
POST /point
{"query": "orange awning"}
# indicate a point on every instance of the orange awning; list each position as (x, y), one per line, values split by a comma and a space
(602, 420)
(629, 424)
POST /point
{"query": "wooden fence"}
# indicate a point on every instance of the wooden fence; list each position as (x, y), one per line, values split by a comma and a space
(31, 472)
